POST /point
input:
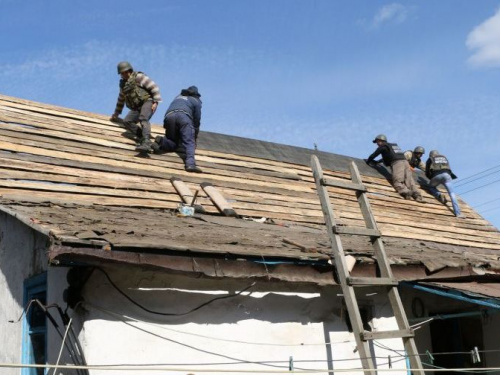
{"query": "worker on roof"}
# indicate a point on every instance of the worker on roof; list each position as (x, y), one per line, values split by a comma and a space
(393, 156)
(414, 158)
(182, 125)
(438, 170)
(141, 95)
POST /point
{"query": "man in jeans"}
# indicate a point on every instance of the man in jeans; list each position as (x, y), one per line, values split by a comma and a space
(141, 95)
(402, 176)
(182, 125)
(438, 170)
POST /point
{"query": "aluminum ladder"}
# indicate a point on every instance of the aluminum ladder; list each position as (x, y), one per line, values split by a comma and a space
(349, 283)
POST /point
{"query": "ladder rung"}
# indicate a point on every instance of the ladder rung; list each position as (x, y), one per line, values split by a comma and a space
(342, 184)
(367, 335)
(369, 281)
(356, 230)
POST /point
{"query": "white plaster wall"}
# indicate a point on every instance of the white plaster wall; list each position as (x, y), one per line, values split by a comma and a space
(271, 324)
(22, 255)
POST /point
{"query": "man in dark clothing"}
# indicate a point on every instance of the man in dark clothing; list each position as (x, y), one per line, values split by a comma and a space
(182, 125)
(438, 171)
(141, 95)
(393, 156)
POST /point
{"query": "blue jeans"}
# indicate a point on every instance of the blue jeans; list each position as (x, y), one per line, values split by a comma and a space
(445, 179)
(179, 128)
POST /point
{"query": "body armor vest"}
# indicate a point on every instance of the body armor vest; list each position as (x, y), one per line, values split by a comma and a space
(396, 152)
(135, 96)
(414, 161)
(439, 162)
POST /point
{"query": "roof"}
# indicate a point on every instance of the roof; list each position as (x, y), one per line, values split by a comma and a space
(75, 176)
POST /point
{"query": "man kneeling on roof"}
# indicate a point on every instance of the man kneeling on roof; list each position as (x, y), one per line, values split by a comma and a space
(182, 125)
(439, 172)
(414, 158)
(141, 95)
(393, 156)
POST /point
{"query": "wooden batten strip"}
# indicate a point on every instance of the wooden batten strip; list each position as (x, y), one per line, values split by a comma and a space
(186, 195)
(218, 199)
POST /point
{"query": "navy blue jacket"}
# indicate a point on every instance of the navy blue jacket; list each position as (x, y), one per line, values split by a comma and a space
(190, 105)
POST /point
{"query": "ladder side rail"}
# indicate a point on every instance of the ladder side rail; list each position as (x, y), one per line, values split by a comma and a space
(385, 271)
(342, 269)
(378, 245)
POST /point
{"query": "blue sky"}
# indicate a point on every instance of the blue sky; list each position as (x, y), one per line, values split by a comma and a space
(298, 72)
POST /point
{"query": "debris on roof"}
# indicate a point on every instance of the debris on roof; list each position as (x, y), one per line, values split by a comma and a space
(76, 176)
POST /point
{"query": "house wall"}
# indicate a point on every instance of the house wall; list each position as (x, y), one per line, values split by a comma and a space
(422, 306)
(273, 323)
(22, 255)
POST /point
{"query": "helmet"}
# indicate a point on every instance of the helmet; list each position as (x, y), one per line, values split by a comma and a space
(419, 149)
(124, 66)
(433, 153)
(380, 137)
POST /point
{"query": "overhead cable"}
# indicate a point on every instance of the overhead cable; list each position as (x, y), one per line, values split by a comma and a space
(463, 181)
(474, 370)
(480, 187)
(170, 314)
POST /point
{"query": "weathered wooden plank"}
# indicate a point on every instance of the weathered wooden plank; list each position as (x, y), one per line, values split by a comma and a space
(90, 191)
(380, 335)
(81, 199)
(218, 199)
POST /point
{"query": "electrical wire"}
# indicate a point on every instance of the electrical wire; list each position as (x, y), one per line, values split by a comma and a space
(170, 314)
(196, 348)
(482, 204)
(211, 337)
(283, 371)
(62, 346)
(489, 209)
(480, 187)
(477, 174)
(45, 308)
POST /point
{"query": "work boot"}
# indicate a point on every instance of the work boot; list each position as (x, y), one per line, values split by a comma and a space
(192, 169)
(138, 135)
(442, 199)
(156, 145)
(145, 146)
(417, 197)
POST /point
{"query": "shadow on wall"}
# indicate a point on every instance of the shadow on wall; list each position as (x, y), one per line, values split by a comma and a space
(174, 299)
(22, 254)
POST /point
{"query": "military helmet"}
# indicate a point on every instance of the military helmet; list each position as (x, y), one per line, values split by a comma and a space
(124, 66)
(419, 149)
(380, 137)
(434, 153)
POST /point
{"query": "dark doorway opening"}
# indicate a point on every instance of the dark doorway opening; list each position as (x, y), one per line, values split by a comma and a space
(453, 340)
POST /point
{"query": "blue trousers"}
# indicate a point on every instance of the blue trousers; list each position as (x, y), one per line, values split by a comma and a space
(179, 129)
(445, 179)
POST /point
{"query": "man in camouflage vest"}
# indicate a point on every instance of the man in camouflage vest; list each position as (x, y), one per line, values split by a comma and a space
(141, 95)
(438, 171)
(414, 158)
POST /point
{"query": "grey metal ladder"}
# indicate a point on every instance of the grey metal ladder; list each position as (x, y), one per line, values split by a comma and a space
(349, 283)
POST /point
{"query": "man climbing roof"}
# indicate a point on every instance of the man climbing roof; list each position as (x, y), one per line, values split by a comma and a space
(141, 95)
(393, 156)
(414, 158)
